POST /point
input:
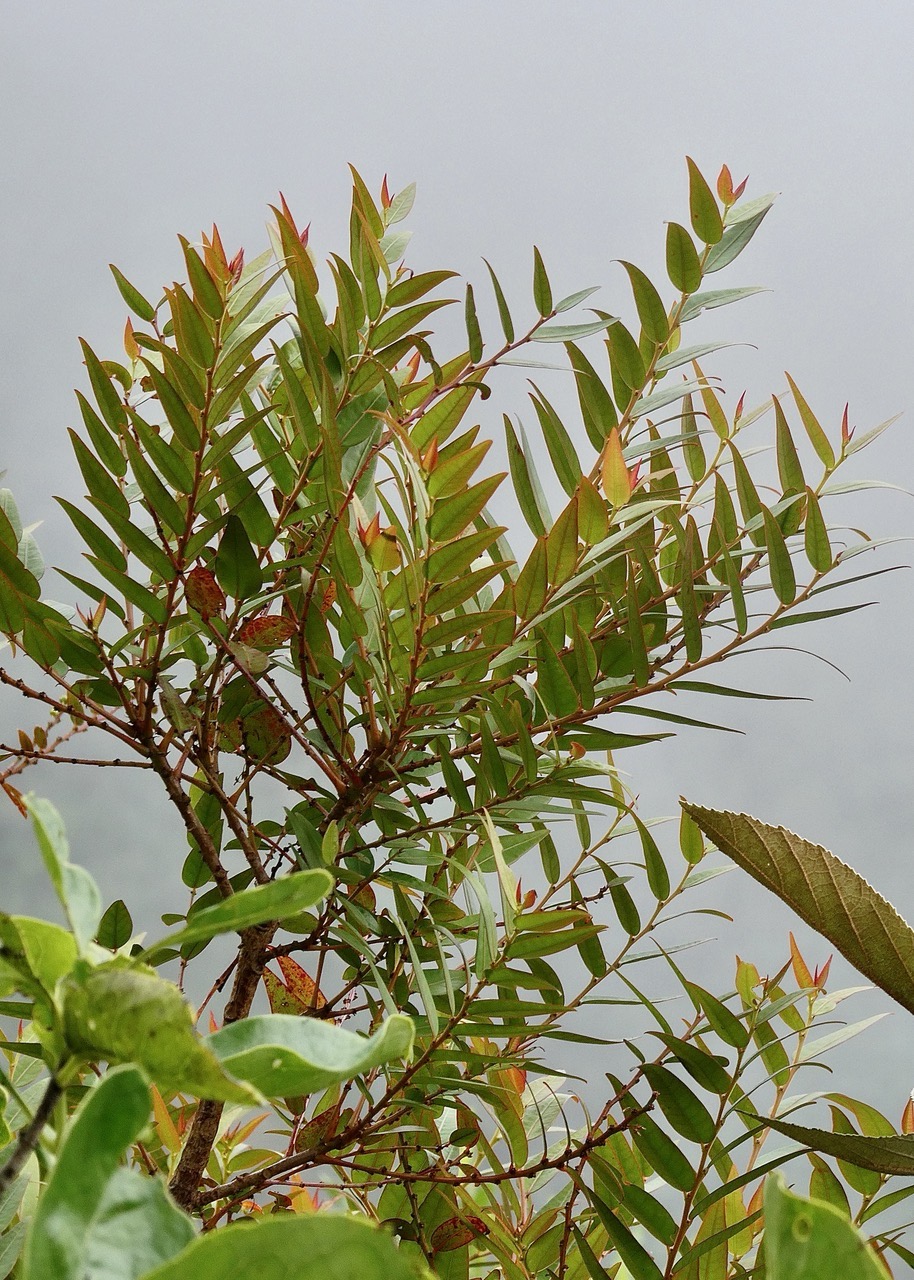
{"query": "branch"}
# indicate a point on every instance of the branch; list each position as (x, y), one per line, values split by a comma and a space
(29, 1136)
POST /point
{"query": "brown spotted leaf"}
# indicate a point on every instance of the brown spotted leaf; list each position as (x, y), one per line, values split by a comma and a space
(301, 986)
(456, 1232)
(266, 633)
(204, 593)
(280, 997)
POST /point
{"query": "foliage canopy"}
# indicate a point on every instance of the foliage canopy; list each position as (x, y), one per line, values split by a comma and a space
(391, 734)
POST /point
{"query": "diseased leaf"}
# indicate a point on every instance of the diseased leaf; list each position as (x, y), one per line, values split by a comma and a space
(123, 1012)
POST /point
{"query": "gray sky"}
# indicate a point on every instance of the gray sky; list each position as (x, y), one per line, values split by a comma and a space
(564, 124)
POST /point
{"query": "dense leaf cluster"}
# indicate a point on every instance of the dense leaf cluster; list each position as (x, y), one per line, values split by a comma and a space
(391, 735)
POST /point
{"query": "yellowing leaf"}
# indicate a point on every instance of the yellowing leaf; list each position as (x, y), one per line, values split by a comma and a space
(617, 482)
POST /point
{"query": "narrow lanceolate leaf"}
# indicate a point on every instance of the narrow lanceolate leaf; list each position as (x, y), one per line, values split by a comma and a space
(682, 262)
(829, 895)
(504, 315)
(741, 225)
(780, 564)
(817, 437)
(542, 290)
(692, 448)
(561, 450)
(474, 336)
(818, 548)
(529, 491)
(134, 299)
(715, 298)
(703, 208)
(649, 304)
(789, 469)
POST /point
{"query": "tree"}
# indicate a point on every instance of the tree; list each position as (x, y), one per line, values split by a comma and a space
(371, 713)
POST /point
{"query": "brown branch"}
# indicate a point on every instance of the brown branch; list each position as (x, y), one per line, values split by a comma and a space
(30, 1136)
(251, 958)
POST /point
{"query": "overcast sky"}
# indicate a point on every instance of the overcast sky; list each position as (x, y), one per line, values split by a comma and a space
(564, 124)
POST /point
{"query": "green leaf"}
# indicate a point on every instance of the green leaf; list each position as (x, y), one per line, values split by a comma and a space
(634, 1255)
(789, 469)
(685, 1112)
(561, 450)
(504, 315)
(134, 299)
(649, 304)
(77, 891)
(124, 1012)
(741, 224)
(115, 927)
(542, 290)
(811, 1240)
(474, 336)
(597, 408)
(780, 564)
(237, 569)
(314, 1246)
(683, 265)
(715, 298)
(47, 950)
(527, 487)
(825, 892)
(282, 1055)
(273, 901)
(90, 1216)
(572, 332)
(703, 209)
(817, 437)
(818, 547)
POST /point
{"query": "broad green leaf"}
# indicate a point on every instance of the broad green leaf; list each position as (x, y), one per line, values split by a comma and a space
(829, 895)
(77, 891)
(703, 208)
(138, 1226)
(87, 1192)
(683, 265)
(283, 1056)
(789, 470)
(124, 1012)
(115, 926)
(47, 950)
(811, 1240)
(314, 1246)
(273, 901)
